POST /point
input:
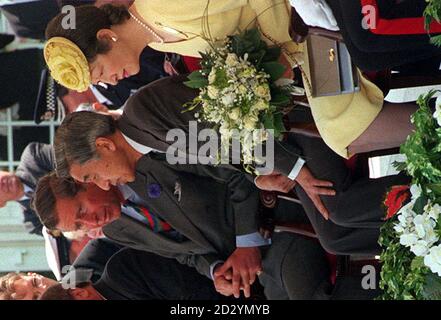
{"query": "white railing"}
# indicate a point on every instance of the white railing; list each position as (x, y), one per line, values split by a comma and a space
(9, 123)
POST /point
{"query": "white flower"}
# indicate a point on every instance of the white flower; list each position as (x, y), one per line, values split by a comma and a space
(398, 228)
(408, 240)
(231, 60)
(434, 211)
(416, 191)
(212, 76)
(263, 91)
(431, 236)
(242, 89)
(250, 122)
(234, 114)
(437, 114)
(213, 92)
(420, 249)
(260, 136)
(247, 73)
(261, 105)
(228, 99)
(433, 260)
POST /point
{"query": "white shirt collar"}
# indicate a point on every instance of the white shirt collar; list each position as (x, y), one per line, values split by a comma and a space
(137, 146)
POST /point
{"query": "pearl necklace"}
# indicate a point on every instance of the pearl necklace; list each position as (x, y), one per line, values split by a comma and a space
(161, 40)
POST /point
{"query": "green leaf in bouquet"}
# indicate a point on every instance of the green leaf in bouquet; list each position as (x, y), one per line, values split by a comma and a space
(196, 84)
(436, 41)
(196, 80)
(279, 127)
(280, 100)
(253, 35)
(274, 69)
(240, 46)
(268, 121)
(256, 58)
(432, 287)
(399, 166)
(417, 263)
(272, 54)
(196, 75)
(221, 79)
(435, 187)
(419, 205)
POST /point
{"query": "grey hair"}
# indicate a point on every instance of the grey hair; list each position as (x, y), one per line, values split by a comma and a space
(75, 139)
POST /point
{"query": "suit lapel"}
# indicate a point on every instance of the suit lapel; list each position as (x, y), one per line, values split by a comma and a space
(166, 205)
(135, 234)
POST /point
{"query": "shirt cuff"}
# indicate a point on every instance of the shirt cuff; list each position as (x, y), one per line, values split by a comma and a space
(212, 266)
(251, 240)
(297, 167)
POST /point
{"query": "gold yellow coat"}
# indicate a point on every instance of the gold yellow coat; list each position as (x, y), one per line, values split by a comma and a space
(340, 119)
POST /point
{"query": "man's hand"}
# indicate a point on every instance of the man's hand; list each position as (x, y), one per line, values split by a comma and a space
(244, 265)
(275, 182)
(314, 188)
(223, 285)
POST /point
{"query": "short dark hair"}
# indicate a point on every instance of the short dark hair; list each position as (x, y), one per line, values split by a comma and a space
(76, 136)
(49, 189)
(89, 20)
(57, 292)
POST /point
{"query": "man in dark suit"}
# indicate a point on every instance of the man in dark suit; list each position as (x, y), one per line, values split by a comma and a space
(143, 128)
(138, 275)
(36, 161)
(213, 226)
(153, 111)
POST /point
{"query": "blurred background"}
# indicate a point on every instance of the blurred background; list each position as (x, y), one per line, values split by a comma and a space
(19, 250)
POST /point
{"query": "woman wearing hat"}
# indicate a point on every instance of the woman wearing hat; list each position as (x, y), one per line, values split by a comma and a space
(106, 44)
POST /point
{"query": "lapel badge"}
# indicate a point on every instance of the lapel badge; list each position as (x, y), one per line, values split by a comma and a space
(154, 190)
(178, 190)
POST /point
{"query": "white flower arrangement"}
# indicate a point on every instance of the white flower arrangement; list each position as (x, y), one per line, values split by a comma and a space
(242, 90)
(417, 231)
(411, 239)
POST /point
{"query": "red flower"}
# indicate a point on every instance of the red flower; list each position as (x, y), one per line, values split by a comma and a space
(395, 199)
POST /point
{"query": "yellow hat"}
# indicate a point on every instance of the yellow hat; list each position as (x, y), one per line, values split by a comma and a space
(67, 64)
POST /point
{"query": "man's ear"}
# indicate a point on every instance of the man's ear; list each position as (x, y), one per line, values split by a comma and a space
(103, 143)
(79, 294)
(107, 35)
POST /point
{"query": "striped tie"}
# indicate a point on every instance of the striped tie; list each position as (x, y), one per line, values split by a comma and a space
(155, 223)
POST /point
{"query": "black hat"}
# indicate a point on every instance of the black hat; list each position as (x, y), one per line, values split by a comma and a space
(47, 106)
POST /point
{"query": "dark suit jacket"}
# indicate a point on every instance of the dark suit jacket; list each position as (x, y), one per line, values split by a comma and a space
(36, 161)
(216, 205)
(93, 259)
(158, 107)
(139, 275)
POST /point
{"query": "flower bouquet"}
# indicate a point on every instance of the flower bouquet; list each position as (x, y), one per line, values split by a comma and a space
(242, 89)
(411, 259)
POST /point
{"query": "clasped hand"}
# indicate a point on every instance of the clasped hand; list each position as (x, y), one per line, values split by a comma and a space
(238, 272)
(313, 187)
